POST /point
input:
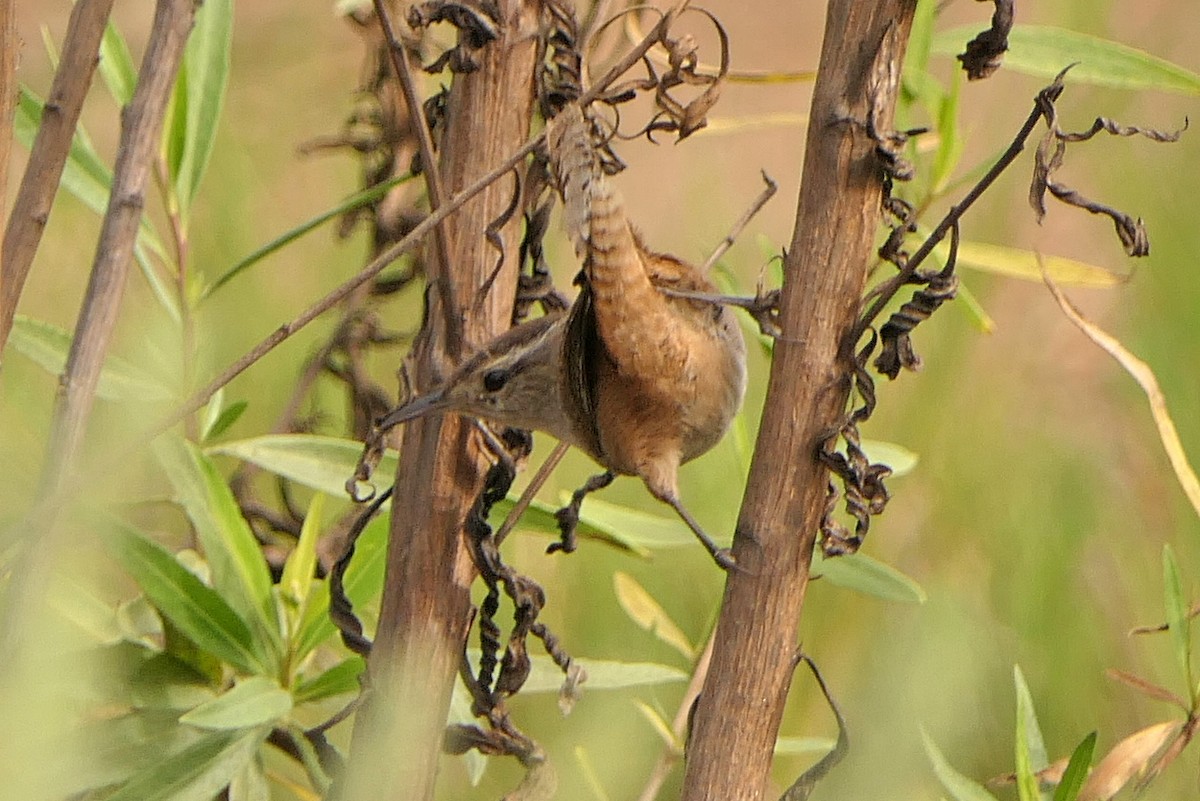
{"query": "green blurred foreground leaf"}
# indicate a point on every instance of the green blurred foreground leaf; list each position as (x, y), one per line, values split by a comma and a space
(1044, 50)
(198, 611)
(48, 346)
(197, 773)
(239, 571)
(959, 786)
(1030, 747)
(257, 701)
(1077, 770)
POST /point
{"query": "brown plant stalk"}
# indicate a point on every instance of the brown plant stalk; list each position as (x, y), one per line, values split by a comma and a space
(738, 714)
(31, 208)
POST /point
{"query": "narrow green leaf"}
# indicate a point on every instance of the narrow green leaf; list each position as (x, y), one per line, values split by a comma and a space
(547, 677)
(175, 132)
(868, 576)
(363, 582)
(48, 345)
(369, 195)
(300, 567)
(197, 773)
(340, 679)
(798, 746)
(1023, 264)
(1030, 747)
(206, 62)
(229, 415)
(590, 776)
(1176, 609)
(916, 58)
(250, 783)
(239, 570)
(321, 463)
(1077, 770)
(959, 786)
(1043, 51)
(197, 611)
(116, 66)
(257, 701)
(648, 614)
(950, 141)
(636, 529)
(660, 726)
(897, 457)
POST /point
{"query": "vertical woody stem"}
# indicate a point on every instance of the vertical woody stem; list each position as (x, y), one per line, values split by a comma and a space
(738, 715)
(426, 608)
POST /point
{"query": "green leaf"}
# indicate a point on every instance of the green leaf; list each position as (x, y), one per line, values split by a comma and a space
(868, 576)
(950, 142)
(340, 679)
(296, 581)
(959, 786)
(634, 529)
(1077, 770)
(798, 746)
(116, 66)
(196, 610)
(649, 615)
(257, 701)
(366, 196)
(897, 457)
(1030, 747)
(48, 345)
(228, 416)
(239, 570)
(1178, 622)
(363, 582)
(202, 82)
(250, 783)
(321, 463)
(1043, 51)
(197, 773)
(916, 58)
(1023, 264)
(547, 677)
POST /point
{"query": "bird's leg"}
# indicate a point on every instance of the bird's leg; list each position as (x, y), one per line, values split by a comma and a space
(568, 516)
(722, 556)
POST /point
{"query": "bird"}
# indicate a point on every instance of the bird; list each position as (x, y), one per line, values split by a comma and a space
(639, 378)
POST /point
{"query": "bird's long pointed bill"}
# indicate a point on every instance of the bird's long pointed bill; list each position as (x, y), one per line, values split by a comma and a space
(429, 403)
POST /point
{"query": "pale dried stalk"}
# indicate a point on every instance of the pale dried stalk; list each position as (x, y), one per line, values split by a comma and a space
(141, 128)
(31, 209)
(9, 51)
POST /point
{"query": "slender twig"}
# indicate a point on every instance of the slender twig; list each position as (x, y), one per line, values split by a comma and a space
(535, 484)
(142, 125)
(742, 222)
(670, 756)
(429, 168)
(31, 209)
(888, 289)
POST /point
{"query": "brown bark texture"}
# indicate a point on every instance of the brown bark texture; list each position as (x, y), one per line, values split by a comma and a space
(31, 208)
(738, 714)
(426, 609)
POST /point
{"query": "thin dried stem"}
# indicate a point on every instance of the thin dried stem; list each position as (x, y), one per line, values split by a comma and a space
(31, 209)
(670, 757)
(535, 484)
(743, 221)
(429, 169)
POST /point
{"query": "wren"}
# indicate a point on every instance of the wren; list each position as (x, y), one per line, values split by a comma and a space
(639, 380)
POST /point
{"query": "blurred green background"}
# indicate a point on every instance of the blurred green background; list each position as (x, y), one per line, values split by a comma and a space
(1034, 521)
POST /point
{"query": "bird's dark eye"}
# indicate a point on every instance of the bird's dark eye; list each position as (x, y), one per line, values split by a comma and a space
(494, 380)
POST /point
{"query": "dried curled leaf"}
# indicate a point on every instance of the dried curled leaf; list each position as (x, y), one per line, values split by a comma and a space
(983, 53)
